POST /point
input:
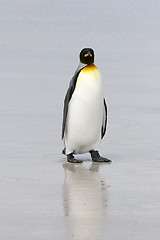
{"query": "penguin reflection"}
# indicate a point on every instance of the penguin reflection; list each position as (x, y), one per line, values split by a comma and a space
(84, 201)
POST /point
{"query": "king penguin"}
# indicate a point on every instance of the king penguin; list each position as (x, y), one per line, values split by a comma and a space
(85, 111)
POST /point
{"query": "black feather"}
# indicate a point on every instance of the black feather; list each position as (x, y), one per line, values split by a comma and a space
(104, 125)
(68, 98)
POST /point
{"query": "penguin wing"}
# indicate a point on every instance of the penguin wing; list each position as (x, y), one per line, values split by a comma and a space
(104, 123)
(68, 97)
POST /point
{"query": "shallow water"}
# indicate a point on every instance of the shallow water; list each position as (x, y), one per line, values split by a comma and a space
(42, 196)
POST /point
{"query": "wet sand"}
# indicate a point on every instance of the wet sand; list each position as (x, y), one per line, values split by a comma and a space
(46, 199)
(41, 195)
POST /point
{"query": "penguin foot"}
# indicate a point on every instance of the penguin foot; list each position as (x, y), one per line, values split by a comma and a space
(71, 159)
(97, 158)
(102, 159)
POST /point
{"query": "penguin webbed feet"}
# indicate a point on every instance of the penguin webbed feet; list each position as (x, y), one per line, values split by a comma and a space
(94, 155)
(71, 159)
(97, 158)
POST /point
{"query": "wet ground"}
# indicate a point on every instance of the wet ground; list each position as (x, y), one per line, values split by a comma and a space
(41, 195)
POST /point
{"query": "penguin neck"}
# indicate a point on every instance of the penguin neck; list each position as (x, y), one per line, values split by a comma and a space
(80, 66)
(83, 65)
(90, 67)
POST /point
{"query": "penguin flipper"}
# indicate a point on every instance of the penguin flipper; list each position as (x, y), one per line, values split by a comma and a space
(68, 98)
(104, 123)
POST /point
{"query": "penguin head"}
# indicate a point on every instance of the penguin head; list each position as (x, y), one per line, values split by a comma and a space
(87, 56)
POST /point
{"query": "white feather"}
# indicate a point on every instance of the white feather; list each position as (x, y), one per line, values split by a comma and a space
(85, 113)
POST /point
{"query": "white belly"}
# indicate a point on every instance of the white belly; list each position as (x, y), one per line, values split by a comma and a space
(85, 114)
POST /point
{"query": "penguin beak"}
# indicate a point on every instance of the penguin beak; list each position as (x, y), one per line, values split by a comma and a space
(88, 54)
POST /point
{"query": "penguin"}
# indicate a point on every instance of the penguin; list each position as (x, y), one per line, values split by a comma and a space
(85, 111)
